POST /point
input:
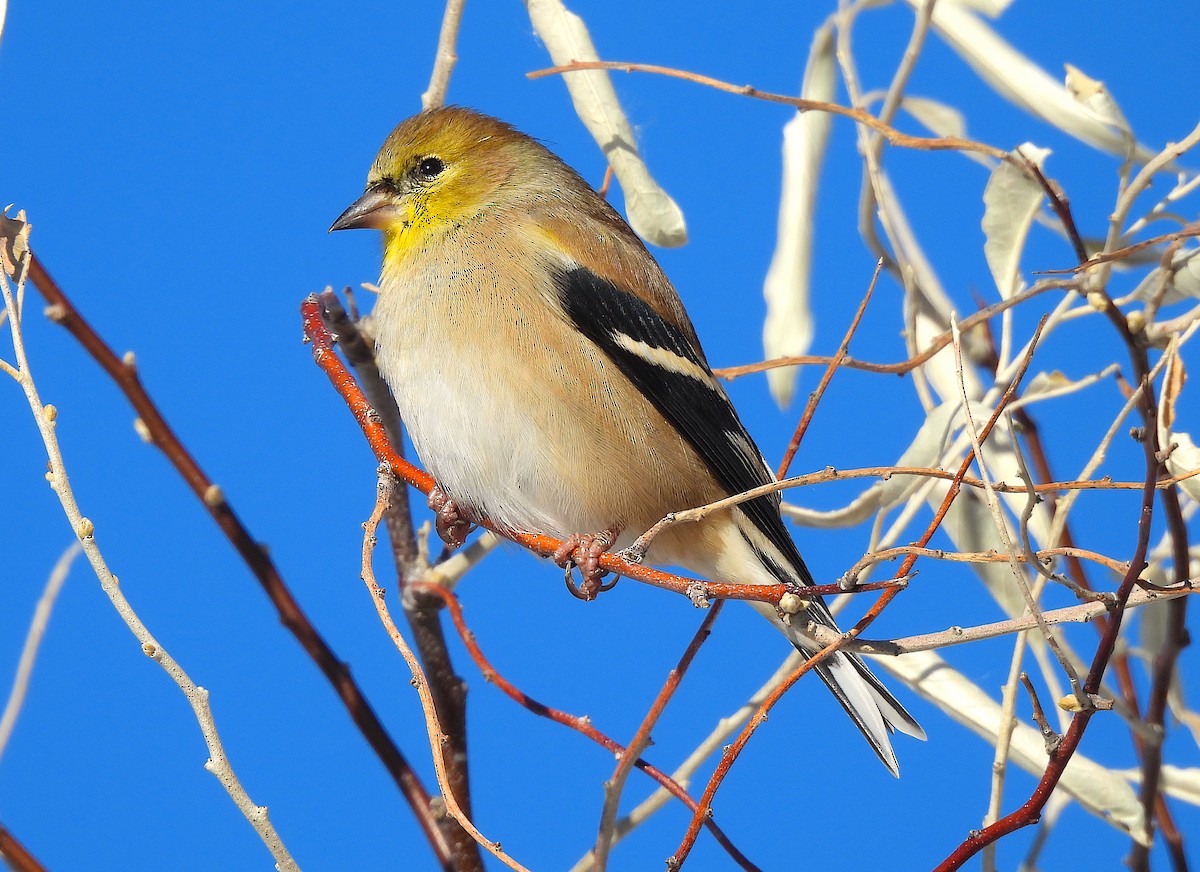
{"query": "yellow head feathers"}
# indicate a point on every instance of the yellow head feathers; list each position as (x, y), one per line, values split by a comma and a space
(439, 169)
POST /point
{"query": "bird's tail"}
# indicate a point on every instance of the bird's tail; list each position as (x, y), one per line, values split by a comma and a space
(871, 706)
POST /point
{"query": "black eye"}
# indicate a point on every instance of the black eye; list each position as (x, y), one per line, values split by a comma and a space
(430, 167)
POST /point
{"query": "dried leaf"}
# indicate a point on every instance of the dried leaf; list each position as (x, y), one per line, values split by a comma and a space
(941, 118)
(788, 328)
(1011, 200)
(1022, 82)
(652, 213)
(1094, 97)
(1182, 279)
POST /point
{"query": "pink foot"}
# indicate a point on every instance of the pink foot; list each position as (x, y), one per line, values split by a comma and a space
(582, 551)
(451, 524)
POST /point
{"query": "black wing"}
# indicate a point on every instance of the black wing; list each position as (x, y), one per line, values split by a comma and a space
(671, 373)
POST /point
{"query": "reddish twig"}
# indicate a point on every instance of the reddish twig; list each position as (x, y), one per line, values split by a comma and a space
(579, 724)
(1030, 811)
(893, 136)
(448, 689)
(641, 739)
(902, 367)
(17, 855)
(760, 715)
(63, 312)
(815, 397)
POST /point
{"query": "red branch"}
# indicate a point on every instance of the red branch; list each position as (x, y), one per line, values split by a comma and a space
(575, 722)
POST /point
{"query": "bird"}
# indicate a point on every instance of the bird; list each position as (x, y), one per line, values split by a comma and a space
(551, 381)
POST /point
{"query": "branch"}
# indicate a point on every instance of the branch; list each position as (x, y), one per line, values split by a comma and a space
(162, 436)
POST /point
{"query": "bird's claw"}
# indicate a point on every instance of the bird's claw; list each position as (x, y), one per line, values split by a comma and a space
(582, 551)
(450, 522)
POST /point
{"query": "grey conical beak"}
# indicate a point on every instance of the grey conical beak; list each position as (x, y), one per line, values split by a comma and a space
(377, 209)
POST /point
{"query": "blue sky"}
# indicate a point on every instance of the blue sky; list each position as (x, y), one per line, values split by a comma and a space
(180, 167)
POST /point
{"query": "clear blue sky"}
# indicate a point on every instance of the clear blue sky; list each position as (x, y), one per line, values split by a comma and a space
(181, 164)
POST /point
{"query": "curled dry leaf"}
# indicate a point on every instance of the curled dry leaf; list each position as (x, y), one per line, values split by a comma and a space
(652, 212)
(788, 328)
(1011, 200)
(1094, 97)
(1022, 82)
(1182, 279)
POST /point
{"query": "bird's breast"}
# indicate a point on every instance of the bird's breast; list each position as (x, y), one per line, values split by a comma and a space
(519, 417)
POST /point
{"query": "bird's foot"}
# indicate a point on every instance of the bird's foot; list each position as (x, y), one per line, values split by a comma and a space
(450, 521)
(582, 551)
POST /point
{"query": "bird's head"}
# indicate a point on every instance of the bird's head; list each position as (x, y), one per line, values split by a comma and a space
(437, 170)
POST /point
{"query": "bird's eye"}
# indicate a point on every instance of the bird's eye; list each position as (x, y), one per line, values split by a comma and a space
(430, 167)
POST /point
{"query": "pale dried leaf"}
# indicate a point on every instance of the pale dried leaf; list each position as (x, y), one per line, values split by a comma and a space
(1173, 381)
(990, 8)
(1184, 458)
(1101, 791)
(1182, 279)
(1022, 82)
(652, 213)
(1011, 199)
(1178, 782)
(1047, 385)
(788, 328)
(1094, 97)
(942, 119)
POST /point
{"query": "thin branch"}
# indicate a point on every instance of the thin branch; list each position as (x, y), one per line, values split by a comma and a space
(815, 397)
(433, 726)
(446, 58)
(63, 312)
(670, 786)
(905, 366)
(197, 697)
(893, 136)
(17, 855)
(641, 740)
(1077, 614)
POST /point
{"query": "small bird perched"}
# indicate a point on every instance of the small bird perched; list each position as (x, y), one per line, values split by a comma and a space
(551, 381)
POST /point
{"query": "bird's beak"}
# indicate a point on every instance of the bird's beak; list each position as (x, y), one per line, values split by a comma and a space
(376, 209)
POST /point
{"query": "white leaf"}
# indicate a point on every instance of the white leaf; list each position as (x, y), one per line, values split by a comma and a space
(1184, 459)
(941, 118)
(1021, 81)
(652, 213)
(990, 8)
(788, 328)
(1178, 782)
(1182, 280)
(1101, 791)
(1094, 97)
(1011, 200)
(926, 450)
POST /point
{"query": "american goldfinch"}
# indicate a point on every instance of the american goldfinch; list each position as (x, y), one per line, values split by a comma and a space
(551, 381)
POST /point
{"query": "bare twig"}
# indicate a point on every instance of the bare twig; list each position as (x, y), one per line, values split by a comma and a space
(17, 855)
(159, 432)
(641, 740)
(815, 397)
(580, 724)
(197, 697)
(433, 726)
(446, 58)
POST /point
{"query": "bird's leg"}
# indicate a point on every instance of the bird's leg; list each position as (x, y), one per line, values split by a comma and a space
(583, 550)
(450, 522)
